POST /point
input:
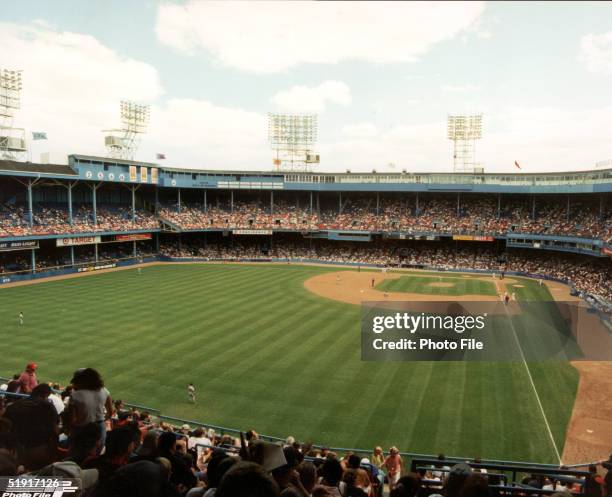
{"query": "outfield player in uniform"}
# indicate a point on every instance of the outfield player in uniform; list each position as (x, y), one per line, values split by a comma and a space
(21, 319)
(191, 393)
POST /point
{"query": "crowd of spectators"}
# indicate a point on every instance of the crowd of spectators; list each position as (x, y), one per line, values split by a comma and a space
(51, 220)
(588, 275)
(474, 216)
(118, 451)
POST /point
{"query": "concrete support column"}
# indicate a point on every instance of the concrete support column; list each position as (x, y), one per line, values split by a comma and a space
(94, 203)
(133, 203)
(30, 204)
(70, 203)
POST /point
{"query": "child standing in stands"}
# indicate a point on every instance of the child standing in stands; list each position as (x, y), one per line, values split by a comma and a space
(393, 466)
(191, 393)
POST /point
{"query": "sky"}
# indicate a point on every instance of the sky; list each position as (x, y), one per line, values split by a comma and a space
(382, 78)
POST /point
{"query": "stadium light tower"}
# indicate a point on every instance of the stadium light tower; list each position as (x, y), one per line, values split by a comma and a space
(122, 143)
(12, 140)
(464, 131)
(292, 138)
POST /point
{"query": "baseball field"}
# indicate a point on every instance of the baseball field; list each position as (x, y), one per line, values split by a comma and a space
(271, 348)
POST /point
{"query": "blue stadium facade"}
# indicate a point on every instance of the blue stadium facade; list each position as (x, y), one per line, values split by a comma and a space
(94, 180)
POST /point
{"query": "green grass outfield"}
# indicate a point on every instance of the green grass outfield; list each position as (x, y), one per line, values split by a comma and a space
(421, 284)
(264, 353)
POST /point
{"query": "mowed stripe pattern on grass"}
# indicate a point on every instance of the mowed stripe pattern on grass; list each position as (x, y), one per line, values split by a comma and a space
(266, 354)
(427, 285)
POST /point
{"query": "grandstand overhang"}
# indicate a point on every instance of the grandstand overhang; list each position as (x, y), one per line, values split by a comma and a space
(92, 168)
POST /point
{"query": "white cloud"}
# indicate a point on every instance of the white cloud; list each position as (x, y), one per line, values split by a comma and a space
(312, 99)
(199, 134)
(460, 88)
(266, 37)
(541, 139)
(596, 52)
(361, 130)
(547, 139)
(72, 85)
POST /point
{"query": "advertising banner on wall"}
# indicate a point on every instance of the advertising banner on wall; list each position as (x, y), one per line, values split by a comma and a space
(154, 177)
(144, 174)
(78, 240)
(473, 238)
(133, 174)
(252, 232)
(25, 245)
(134, 237)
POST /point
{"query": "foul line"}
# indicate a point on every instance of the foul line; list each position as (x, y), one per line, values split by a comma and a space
(535, 390)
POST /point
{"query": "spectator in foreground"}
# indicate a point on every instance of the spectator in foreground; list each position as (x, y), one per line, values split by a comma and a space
(90, 402)
(13, 385)
(378, 458)
(119, 446)
(35, 423)
(393, 465)
(181, 474)
(85, 444)
(456, 479)
(27, 380)
(217, 467)
(331, 475)
(407, 486)
(247, 479)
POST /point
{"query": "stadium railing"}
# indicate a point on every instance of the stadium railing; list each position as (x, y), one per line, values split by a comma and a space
(506, 476)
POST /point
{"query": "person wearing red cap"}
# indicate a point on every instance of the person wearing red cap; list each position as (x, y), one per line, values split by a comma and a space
(27, 380)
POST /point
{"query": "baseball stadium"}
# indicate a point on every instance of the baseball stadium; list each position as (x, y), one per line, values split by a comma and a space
(207, 329)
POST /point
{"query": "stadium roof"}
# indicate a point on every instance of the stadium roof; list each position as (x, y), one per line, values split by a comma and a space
(109, 160)
(31, 167)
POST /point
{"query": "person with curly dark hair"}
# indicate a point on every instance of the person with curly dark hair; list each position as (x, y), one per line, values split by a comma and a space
(90, 401)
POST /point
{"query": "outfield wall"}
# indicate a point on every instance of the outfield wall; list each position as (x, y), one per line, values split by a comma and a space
(594, 301)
